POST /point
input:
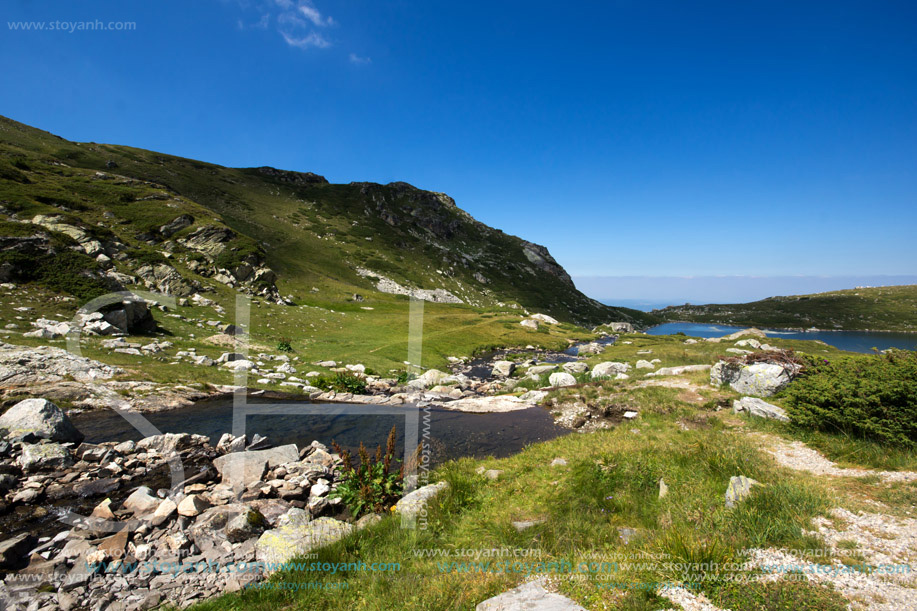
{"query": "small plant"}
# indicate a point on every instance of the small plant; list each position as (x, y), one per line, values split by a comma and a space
(374, 485)
(404, 377)
(342, 382)
(285, 345)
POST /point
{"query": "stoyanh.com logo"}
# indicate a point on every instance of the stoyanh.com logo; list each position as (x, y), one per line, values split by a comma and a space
(72, 26)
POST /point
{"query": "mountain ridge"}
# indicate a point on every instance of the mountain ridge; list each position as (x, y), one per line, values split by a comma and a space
(307, 231)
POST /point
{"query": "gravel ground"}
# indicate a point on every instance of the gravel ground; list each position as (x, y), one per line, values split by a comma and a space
(796, 455)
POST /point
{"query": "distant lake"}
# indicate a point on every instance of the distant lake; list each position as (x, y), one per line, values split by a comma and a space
(854, 341)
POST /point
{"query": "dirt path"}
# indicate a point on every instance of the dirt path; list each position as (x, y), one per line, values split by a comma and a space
(798, 456)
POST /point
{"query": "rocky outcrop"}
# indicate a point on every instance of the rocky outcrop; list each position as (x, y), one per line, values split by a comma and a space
(539, 256)
(176, 225)
(210, 239)
(39, 418)
(302, 179)
(166, 279)
(387, 285)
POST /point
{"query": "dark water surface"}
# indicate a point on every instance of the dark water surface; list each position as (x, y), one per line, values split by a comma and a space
(451, 434)
(854, 341)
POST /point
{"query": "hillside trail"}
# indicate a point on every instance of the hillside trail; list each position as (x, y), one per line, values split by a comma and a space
(884, 542)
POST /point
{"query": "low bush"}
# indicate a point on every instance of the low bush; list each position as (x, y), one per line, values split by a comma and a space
(341, 382)
(873, 397)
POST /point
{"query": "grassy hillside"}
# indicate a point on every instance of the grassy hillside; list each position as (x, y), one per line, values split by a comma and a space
(889, 308)
(313, 234)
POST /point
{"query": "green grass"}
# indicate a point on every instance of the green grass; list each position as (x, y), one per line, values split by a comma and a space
(610, 481)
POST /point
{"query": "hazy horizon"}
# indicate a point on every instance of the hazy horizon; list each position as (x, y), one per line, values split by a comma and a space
(650, 292)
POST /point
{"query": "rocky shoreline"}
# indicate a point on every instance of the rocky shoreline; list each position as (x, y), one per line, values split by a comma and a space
(170, 518)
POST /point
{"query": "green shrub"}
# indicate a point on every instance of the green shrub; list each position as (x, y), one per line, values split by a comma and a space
(373, 486)
(404, 377)
(342, 382)
(284, 345)
(873, 397)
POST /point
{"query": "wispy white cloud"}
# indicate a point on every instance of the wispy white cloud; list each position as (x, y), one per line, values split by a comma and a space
(313, 39)
(311, 13)
(300, 23)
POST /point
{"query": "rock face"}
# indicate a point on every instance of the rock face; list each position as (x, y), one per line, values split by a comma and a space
(281, 544)
(530, 596)
(41, 418)
(760, 379)
(760, 408)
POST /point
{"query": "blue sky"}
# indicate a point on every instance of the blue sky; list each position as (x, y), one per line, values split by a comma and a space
(651, 139)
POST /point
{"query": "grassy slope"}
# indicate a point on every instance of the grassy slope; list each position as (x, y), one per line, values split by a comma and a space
(889, 308)
(610, 481)
(314, 234)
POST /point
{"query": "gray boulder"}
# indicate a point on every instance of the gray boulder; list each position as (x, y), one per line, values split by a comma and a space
(575, 367)
(760, 408)
(247, 525)
(759, 379)
(41, 418)
(131, 317)
(503, 369)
